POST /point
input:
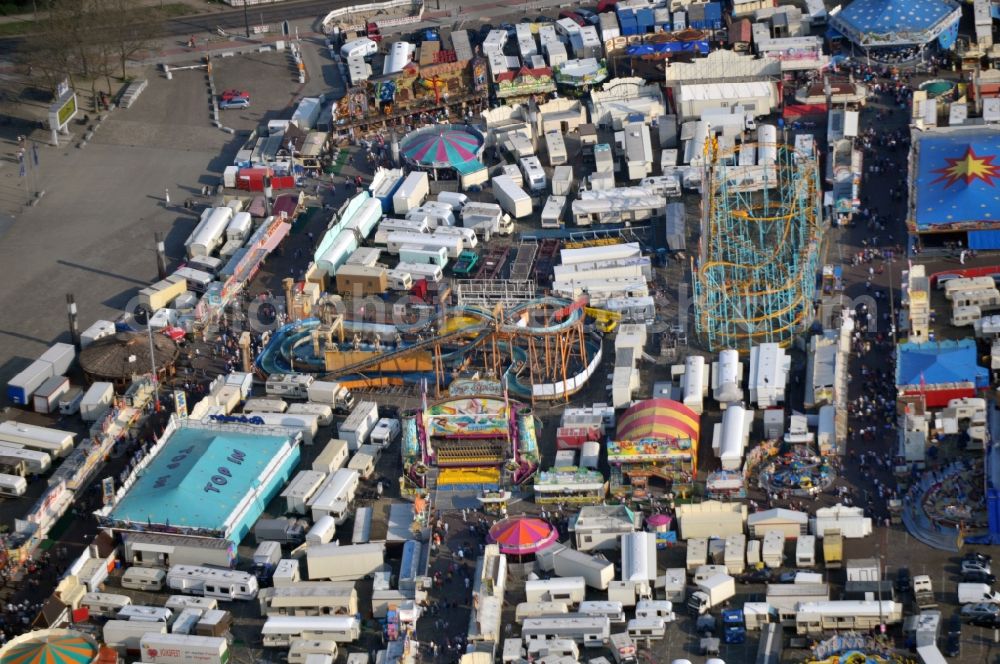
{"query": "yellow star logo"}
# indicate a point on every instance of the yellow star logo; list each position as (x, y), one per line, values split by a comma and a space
(968, 167)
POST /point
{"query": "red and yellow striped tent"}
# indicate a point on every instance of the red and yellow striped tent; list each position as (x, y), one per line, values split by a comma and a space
(661, 419)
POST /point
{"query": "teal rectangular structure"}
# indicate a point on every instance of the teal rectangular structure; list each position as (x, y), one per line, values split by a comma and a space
(208, 480)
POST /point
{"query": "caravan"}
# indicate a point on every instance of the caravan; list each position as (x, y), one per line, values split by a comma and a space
(105, 605)
(280, 631)
(212, 582)
(588, 631)
(149, 579)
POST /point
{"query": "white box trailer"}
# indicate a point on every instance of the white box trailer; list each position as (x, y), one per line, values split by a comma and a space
(571, 590)
(60, 356)
(96, 400)
(209, 233)
(335, 496)
(562, 180)
(301, 489)
(590, 455)
(321, 411)
(183, 649)
(307, 425)
(53, 441)
(125, 635)
(21, 387)
(280, 631)
(46, 397)
(322, 531)
(427, 271)
(511, 197)
(596, 572)
(411, 192)
(398, 239)
(358, 425)
(344, 563)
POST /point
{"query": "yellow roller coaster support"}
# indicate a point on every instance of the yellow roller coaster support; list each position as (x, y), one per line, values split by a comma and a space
(606, 320)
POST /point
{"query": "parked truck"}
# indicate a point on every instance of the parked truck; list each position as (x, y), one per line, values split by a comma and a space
(467, 260)
(923, 592)
(183, 649)
(711, 592)
(332, 394)
(511, 197)
(833, 549)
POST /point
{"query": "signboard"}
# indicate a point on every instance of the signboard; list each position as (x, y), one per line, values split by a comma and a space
(108, 490)
(180, 403)
(63, 110)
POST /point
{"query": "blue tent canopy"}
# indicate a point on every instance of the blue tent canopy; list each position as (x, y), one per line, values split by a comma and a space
(876, 23)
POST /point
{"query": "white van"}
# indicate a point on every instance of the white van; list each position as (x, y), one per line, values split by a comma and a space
(149, 579)
(105, 605)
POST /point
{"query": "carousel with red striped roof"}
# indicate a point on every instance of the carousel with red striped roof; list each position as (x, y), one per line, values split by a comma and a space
(656, 441)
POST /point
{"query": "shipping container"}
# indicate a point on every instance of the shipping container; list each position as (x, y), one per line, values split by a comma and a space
(46, 397)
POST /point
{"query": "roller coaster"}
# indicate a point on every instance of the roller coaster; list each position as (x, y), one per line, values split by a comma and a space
(539, 346)
(755, 277)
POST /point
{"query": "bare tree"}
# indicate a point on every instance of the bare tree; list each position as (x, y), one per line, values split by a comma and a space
(131, 27)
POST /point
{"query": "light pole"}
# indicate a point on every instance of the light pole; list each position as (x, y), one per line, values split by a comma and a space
(152, 364)
(246, 19)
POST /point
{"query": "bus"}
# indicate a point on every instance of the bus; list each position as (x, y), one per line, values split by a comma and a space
(280, 631)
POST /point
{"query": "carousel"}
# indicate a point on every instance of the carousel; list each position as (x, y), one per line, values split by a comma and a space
(798, 471)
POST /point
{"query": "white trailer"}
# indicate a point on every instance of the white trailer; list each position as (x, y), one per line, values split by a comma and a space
(589, 631)
(552, 211)
(124, 635)
(399, 239)
(468, 235)
(212, 582)
(301, 489)
(306, 424)
(335, 496)
(280, 631)
(53, 441)
(358, 425)
(556, 148)
(21, 387)
(411, 192)
(344, 563)
(511, 197)
(322, 531)
(570, 590)
(638, 557)
(209, 233)
(12, 485)
(46, 397)
(321, 411)
(596, 572)
(60, 356)
(562, 180)
(534, 174)
(96, 400)
(310, 598)
(99, 330)
(424, 254)
(333, 457)
(35, 461)
(183, 649)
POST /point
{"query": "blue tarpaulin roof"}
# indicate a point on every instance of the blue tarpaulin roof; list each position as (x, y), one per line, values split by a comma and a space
(937, 363)
(956, 180)
(893, 22)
